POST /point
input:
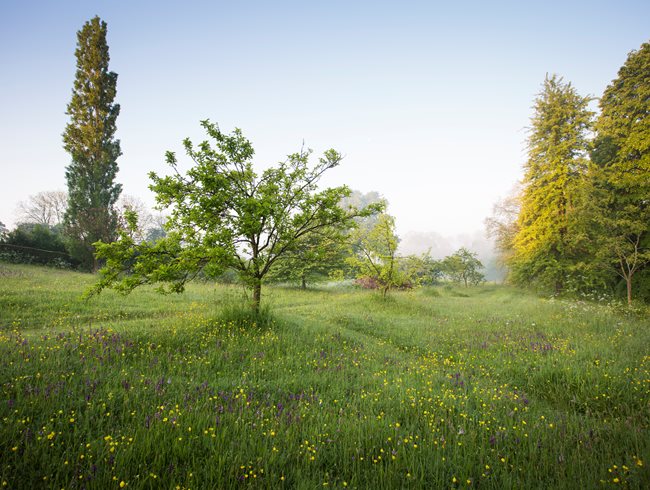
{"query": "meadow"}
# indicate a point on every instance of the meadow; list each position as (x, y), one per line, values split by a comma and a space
(444, 387)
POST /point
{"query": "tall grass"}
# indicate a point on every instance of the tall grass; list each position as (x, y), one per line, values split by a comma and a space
(487, 387)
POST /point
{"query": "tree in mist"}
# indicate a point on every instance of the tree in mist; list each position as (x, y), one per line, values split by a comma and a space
(546, 243)
(45, 208)
(503, 225)
(361, 200)
(422, 270)
(146, 219)
(375, 258)
(158, 228)
(463, 266)
(89, 137)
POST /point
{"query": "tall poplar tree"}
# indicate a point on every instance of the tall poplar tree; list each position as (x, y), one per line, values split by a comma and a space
(547, 242)
(620, 172)
(89, 137)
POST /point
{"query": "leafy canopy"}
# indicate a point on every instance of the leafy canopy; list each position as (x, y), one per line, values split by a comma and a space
(620, 173)
(375, 254)
(546, 241)
(316, 257)
(223, 215)
(463, 266)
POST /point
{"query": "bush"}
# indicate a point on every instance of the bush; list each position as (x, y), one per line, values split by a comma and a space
(372, 283)
(31, 243)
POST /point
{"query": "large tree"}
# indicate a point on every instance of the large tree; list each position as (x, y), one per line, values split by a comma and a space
(546, 244)
(45, 208)
(89, 137)
(620, 171)
(223, 215)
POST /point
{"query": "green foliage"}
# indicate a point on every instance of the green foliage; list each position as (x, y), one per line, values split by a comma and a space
(548, 241)
(421, 270)
(35, 243)
(495, 387)
(89, 139)
(315, 257)
(375, 255)
(226, 216)
(36, 236)
(463, 266)
(619, 207)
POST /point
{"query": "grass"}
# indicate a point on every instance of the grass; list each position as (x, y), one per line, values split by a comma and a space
(488, 387)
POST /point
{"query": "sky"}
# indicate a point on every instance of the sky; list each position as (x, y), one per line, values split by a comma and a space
(428, 101)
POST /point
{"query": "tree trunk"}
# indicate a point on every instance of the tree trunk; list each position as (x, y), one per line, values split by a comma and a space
(304, 282)
(257, 295)
(628, 280)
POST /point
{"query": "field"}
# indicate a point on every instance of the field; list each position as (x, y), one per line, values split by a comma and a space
(444, 387)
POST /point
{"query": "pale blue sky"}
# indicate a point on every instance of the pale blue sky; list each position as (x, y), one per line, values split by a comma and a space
(428, 101)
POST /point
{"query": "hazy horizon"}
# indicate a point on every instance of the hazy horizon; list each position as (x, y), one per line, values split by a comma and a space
(428, 103)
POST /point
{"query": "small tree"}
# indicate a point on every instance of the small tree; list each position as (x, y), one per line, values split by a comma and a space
(375, 257)
(503, 225)
(89, 138)
(464, 267)
(313, 258)
(226, 216)
(422, 270)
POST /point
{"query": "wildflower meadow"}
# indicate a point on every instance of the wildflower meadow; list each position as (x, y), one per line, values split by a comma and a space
(440, 387)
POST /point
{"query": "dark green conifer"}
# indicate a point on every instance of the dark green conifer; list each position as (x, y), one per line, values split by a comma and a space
(89, 137)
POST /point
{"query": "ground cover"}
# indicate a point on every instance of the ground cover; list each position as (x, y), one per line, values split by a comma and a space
(488, 387)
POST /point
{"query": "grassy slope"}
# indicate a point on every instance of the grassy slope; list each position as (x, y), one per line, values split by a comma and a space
(489, 387)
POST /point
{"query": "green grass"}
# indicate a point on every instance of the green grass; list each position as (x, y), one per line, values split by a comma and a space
(488, 387)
